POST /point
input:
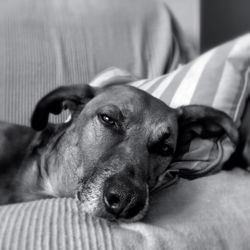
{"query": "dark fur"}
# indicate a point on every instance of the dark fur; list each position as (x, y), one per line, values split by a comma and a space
(110, 167)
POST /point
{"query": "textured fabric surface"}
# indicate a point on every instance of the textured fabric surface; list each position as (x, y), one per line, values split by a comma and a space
(203, 214)
(218, 78)
(44, 44)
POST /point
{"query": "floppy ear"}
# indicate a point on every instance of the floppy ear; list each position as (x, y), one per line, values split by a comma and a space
(65, 97)
(200, 129)
(202, 148)
(209, 121)
(74, 96)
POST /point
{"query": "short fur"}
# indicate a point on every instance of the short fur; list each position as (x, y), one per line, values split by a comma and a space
(109, 155)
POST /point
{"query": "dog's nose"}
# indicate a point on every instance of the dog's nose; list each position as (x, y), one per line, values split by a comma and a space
(123, 199)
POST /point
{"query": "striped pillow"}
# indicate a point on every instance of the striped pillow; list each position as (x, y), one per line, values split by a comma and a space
(218, 78)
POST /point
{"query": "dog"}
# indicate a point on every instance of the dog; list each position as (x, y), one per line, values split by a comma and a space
(118, 141)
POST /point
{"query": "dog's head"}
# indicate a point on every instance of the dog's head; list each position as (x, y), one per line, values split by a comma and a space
(119, 140)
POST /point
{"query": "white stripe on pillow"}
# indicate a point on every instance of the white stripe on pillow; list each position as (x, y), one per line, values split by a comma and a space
(223, 69)
(164, 84)
(118, 75)
(137, 83)
(148, 84)
(187, 87)
(233, 78)
(243, 96)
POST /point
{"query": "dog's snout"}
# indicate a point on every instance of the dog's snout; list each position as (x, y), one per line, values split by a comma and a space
(123, 199)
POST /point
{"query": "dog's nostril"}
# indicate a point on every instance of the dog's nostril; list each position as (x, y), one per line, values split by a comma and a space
(114, 200)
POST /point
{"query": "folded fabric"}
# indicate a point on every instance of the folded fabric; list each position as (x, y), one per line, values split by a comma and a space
(220, 79)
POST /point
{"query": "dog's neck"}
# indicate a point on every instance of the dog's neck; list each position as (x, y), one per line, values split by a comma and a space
(41, 174)
(28, 181)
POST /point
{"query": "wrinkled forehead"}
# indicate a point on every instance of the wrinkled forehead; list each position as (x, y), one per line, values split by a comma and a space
(134, 102)
(125, 97)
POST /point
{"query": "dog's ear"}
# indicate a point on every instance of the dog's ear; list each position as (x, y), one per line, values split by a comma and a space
(200, 149)
(211, 122)
(65, 97)
(74, 96)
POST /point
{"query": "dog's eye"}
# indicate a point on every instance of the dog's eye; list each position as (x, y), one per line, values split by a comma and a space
(108, 120)
(161, 148)
(164, 148)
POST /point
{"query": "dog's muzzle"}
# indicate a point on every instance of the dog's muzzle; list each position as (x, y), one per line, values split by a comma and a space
(125, 198)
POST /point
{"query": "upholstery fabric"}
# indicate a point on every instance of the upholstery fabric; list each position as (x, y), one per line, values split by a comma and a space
(208, 213)
(44, 44)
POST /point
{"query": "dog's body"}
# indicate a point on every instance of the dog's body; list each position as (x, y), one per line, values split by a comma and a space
(118, 142)
(14, 141)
